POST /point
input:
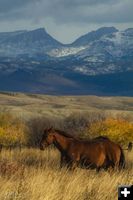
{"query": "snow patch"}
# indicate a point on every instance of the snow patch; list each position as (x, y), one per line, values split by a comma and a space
(62, 52)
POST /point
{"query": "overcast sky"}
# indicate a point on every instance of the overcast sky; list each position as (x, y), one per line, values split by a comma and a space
(65, 20)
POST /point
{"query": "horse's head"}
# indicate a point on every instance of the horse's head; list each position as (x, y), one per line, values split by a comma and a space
(47, 138)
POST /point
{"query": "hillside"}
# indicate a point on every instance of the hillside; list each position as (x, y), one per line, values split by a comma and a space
(32, 105)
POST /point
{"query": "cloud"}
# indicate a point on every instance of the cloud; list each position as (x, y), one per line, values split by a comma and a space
(66, 11)
(58, 15)
(10, 5)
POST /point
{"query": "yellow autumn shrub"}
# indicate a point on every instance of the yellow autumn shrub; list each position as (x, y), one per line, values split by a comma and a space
(119, 130)
(12, 130)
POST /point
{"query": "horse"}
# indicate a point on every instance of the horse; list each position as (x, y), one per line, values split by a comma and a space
(97, 153)
(65, 160)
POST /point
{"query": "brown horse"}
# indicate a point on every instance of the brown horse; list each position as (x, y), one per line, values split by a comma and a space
(96, 153)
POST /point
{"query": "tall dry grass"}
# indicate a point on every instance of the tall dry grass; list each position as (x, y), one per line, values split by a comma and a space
(31, 174)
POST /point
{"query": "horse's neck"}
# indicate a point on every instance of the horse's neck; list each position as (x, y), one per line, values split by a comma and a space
(61, 142)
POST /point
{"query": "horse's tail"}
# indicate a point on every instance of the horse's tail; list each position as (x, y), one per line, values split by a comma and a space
(122, 160)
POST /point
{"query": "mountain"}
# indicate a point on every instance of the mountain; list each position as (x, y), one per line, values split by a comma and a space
(82, 42)
(93, 35)
(100, 63)
(110, 54)
(27, 42)
(106, 50)
(6, 35)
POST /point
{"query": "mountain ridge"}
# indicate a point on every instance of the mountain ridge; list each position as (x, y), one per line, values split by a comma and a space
(33, 61)
(94, 35)
(102, 29)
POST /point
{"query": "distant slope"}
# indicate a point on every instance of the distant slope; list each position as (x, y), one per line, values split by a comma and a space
(64, 82)
(33, 105)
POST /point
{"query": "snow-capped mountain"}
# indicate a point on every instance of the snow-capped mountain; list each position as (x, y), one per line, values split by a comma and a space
(106, 50)
(93, 35)
(100, 62)
(111, 53)
(82, 43)
(105, 43)
(27, 42)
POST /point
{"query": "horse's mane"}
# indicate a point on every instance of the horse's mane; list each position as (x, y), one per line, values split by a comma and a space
(65, 134)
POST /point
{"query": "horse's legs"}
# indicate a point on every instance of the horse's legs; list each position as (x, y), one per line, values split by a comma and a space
(75, 159)
(73, 165)
(70, 162)
(110, 167)
(101, 161)
(98, 169)
(62, 161)
(65, 161)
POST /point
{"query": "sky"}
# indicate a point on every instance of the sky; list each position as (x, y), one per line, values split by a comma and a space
(65, 20)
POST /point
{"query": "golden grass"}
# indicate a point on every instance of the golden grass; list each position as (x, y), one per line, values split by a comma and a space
(32, 174)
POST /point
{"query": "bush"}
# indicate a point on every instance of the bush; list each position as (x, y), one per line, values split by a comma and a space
(37, 126)
(119, 130)
(13, 131)
(78, 123)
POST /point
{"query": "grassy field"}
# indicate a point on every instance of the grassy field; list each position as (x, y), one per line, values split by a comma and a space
(35, 175)
(30, 174)
(30, 105)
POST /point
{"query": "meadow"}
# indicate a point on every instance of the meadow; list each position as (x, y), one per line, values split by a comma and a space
(33, 174)
(26, 173)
